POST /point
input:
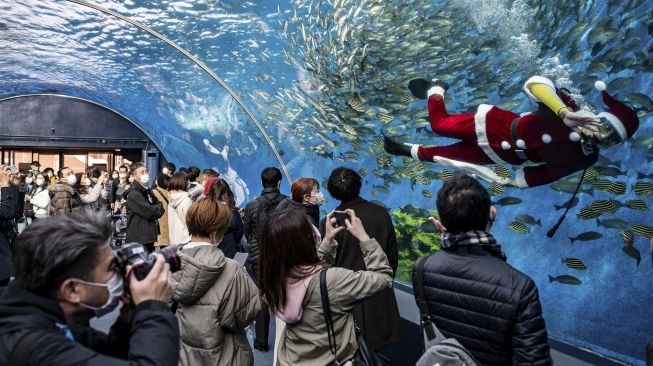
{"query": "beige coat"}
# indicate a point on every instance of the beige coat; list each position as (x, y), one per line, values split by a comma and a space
(217, 300)
(306, 342)
(163, 238)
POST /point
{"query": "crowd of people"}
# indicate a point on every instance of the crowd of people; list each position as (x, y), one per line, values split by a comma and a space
(234, 267)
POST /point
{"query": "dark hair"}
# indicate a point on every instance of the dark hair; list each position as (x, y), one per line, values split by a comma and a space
(136, 166)
(92, 172)
(60, 172)
(301, 187)
(78, 184)
(49, 251)
(287, 242)
(48, 170)
(163, 181)
(463, 204)
(209, 173)
(220, 191)
(208, 217)
(178, 182)
(46, 181)
(270, 177)
(171, 167)
(344, 184)
(123, 167)
(193, 172)
(182, 170)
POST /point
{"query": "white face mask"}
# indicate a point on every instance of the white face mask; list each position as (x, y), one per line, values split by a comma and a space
(115, 288)
(145, 178)
(39, 182)
(35, 168)
(72, 179)
(122, 175)
(320, 199)
(85, 182)
(28, 180)
(165, 171)
(114, 176)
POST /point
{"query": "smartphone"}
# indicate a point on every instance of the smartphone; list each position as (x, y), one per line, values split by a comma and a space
(341, 216)
(12, 169)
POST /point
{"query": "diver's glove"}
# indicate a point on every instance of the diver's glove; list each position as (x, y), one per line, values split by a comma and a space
(420, 87)
(395, 148)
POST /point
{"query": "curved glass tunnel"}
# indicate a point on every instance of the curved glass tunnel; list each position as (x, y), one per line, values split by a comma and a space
(324, 78)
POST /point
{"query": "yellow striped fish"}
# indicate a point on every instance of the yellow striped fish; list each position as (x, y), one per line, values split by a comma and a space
(362, 172)
(383, 160)
(587, 213)
(643, 188)
(496, 189)
(604, 206)
(644, 231)
(638, 205)
(427, 194)
(407, 99)
(385, 117)
(627, 236)
(518, 227)
(502, 171)
(357, 106)
(574, 263)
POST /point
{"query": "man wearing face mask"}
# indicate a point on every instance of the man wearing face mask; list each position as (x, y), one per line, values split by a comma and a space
(44, 314)
(63, 197)
(169, 169)
(34, 167)
(120, 185)
(143, 209)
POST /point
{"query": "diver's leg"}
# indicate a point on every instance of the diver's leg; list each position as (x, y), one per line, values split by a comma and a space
(461, 151)
(458, 126)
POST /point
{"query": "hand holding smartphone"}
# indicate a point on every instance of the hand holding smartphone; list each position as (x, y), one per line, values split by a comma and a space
(340, 217)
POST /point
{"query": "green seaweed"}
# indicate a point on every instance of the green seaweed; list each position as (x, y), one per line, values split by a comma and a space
(412, 241)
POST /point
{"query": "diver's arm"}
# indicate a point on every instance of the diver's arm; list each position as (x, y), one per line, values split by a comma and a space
(543, 91)
(549, 98)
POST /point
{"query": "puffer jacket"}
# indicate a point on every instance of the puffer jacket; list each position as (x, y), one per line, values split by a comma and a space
(63, 199)
(492, 309)
(40, 201)
(179, 202)
(269, 199)
(216, 301)
(312, 211)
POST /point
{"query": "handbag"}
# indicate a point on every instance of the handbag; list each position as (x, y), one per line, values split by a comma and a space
(365, 356)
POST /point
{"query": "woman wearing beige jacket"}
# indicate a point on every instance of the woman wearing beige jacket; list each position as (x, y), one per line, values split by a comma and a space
(216, 297)
(289, 268)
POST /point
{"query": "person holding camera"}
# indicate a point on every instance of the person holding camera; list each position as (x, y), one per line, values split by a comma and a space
(216, 298)
(66, 273)
(143, 209)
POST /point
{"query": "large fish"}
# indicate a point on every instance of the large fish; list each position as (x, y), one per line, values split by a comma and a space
(586, 236)
(565, 279)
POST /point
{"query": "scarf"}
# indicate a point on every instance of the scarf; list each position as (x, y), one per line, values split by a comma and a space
(474, 237)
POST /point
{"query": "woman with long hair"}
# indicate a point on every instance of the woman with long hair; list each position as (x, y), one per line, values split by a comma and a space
(89, 196)
(39, 197)
(219, 191)
(289, 273)
(305, 195)
(216, 297)
(179, 202)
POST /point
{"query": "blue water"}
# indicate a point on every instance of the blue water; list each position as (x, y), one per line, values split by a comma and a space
(484, 49)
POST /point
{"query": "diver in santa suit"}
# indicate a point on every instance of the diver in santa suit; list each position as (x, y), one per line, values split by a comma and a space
(557, 136)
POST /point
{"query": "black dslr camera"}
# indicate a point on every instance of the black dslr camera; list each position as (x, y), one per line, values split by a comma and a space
(136, 255)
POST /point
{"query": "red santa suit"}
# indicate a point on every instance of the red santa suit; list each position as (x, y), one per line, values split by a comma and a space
(487, 138)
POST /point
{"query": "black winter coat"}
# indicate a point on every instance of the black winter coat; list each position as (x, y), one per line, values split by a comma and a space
(312, 211)
(378, 316)
(272, 197)
(230, 243)
(143, 210)
(22, 312)
(9, 208)
(489, 307)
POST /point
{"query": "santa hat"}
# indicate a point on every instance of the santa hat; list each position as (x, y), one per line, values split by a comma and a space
(622, 118)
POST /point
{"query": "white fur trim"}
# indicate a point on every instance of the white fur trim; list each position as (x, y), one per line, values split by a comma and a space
(546, 138)
(481, 133)
(616, 124)
(574, 136)
(505, 145)
(413, 151)
(600, 85)
(538, 80)
(435, 90)
(520, 144)
(520, 178)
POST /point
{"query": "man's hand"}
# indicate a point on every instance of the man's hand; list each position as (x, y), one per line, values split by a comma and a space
(5, 177)
(156, 286)
(574, 120)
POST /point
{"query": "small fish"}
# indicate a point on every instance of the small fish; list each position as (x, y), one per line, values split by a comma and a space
(421, 180)
(383, 160)
(587, 213)
(638, 205)
(518, 227)
(407, 99)
(612, 223)
(632, 252)
(605, 185)
(604, 206)
(427, 194)
(357, 106)
(528, 219)
(587, 236)
(385, 117)
(643, 188)
(506, 201)
(610, 171)
(565, 279)
(574, 263)
(570, 187)
(572, 202)
(414, 211)
(356, 143)
(383, 189)
(590, 174)
(644, 231)
(502, 171)
(627, 236)
(496, 189)
(644, 176)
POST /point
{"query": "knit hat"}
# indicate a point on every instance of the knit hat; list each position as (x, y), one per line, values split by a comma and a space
(622, 118)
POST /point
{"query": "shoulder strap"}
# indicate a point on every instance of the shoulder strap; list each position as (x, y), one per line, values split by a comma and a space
(162, 195)
(428, 327)
(326, 307)
(24, 346)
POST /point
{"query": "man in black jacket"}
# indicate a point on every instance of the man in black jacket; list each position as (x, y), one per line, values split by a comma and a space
(472, 294)
(256, 212)
(143, 209)
(65, 274)
(9, 208)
